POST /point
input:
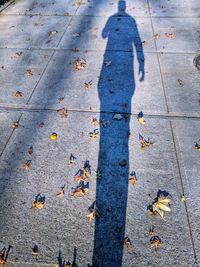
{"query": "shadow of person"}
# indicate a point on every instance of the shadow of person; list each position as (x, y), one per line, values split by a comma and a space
(116, 87)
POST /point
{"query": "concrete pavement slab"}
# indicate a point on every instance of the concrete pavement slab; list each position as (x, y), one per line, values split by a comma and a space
(120, 32)
(181, 81)
(110, 7)
(177, 34)
(187, 134)
(179, 8)
(61, 80)
(20, 70)
(62, 7)
(40, 32)
(6, 120)
(62, 223)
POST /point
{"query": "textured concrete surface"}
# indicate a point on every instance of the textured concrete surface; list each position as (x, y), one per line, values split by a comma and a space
(138, 59)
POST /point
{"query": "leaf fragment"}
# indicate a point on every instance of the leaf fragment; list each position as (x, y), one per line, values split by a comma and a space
(62, 192)
(29, 73)
(180, 82)
(81, 190)
(170, 35)
(63, 112)
(197, 146)
(35, 250)
(39, 201)
(140, 118)
(145, 142)
(15, 125)
(133, 179)
(50, 33)
(80, 64)
(156, 36)
(26, 166)
(93, 212)
(88, 85)
(30, 150)
(94, 134)
(17, 94)
(155, 242)
(128, 244)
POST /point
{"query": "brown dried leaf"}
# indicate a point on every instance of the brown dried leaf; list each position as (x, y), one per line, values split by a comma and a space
(79, 192)
(80, 64)
(29, 73)
(39, 202)
(88, 85)
(63, 112)
(133, 179)
(156, 36)
(95, 122)
(30, 150)
(180, 82)
(94, 134)
(155, 242)
(170, 35)
(197, 146)
(26, 166)
(93, 212)
(128, 244)
(15, 124)
(17, 94)
(145, 143)
(62, 192)
(50, 33)
(35, 250)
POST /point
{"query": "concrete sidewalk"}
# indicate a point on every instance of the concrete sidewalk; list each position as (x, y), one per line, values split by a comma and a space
(104, 61)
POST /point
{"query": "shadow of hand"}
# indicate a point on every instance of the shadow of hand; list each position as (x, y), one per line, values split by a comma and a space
(141, 73)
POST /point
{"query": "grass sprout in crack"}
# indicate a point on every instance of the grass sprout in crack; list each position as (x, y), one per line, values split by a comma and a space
(161, 204)
(39, 201)
(93, 212)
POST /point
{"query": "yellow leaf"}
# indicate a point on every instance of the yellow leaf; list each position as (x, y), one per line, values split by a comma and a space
(163, 207)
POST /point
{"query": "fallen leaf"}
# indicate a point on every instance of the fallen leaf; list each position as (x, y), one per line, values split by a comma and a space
(15, 124)
(170, 35)
(94, 134)
(144, 43)
(156, 36)
(3, 256)
(140, 118)
(93, 212)
(68, 264)
(197, 146)
(182, 198)
(62, 192)
(17, 94)
(133, 179)
(80, 191)
(145, 143)
(60, 99)
(26, 166)
(53, 136)
(63, 112)
(161, 205)
(84, 173)
(104, 123)
(95, 122)
(128, 244)
(180, 82)
(80, 64)
(35, 250)
(50, 33)
(19, 54)
(29, 73)
(30, 150)
(76, 34)
(71, 160)
(75, 50)
(155, 242)
(41, 124)
(151, 231)
(39, 202)
(88, 85)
